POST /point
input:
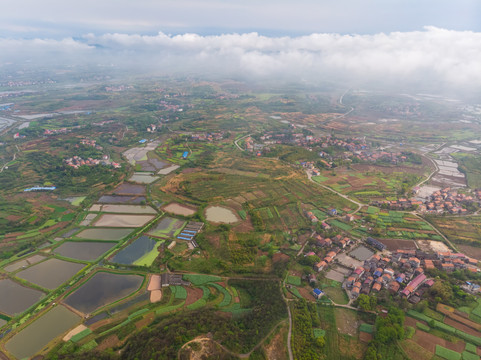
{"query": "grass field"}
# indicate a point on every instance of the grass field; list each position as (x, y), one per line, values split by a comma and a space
(447, 354)
(294, 280)
(198, 279)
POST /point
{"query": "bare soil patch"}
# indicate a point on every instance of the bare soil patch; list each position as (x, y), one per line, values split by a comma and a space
(432, 246)
(346, 321)
(460, 326)
(365, 337)
(244, 226)
(474, 252)
(429, 342)
(179, 209)
(276, 349)
(414, 351)
(396, 244)
(193, 294)
(306, 294)
(108, 343)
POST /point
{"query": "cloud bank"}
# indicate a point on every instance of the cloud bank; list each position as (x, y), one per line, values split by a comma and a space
(435, 56)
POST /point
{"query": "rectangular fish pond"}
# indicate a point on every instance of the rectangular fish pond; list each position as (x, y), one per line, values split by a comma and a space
(121, 199)
(35, 336)
(167, 227)
(142, 251)
(104, 234)
(16, 298)
(51, 273)
(123, 220)
(101, 289)
(84, 250)
(24, 263)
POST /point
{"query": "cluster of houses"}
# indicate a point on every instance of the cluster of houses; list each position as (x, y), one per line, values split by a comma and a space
(208, 136)
(77, 161)
(151, 128)
(91, 143)
(445, 200)
(378, 273)
(56, 131)
(374, 156)
(164, 105)
(119, 88)
(403, 272)
(335, 245)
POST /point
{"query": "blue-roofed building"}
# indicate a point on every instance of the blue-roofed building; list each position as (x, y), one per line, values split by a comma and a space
(143, 141)
(185, 154)
(317, 293)
(333, 212)
(41, 188)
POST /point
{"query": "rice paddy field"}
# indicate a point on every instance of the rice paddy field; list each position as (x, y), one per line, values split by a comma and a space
(17, 298)
(143, 178)
(84, 250)
(101, 289)
(36, 335)
(167, 227)
(123, 220)
(104, 234)
(51, 273)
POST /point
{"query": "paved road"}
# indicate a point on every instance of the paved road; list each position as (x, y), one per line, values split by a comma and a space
(289, 333)
(359, 205)
(436, 168)
(3, 167)
(236, 141)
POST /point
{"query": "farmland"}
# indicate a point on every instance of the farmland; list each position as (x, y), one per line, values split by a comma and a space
(87, 248)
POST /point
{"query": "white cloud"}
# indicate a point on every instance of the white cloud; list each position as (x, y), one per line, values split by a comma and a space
(446, 57)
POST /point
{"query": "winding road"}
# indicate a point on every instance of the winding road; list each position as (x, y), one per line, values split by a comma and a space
(241, 138)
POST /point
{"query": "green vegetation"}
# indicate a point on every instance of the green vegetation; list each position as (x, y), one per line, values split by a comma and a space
(447, 354)
(305, 345)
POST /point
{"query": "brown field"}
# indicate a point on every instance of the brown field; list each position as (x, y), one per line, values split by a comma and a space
(473, 251)
(108, 343)
(414, 351)
(193, 294)
(351, 347)
(457, 316)
(429, 342)
(179, 209)
(154, 283)
(276, 348)
(346, 321)
(155, 296)
(145, 321)
(365, 337)
(396, 244)
(409, 321)
(461, 326)
(306, 294)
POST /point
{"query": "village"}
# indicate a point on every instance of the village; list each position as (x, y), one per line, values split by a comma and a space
(367, 267)
(446, 200)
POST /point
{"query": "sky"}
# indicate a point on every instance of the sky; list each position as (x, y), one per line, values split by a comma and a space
(412, 41)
